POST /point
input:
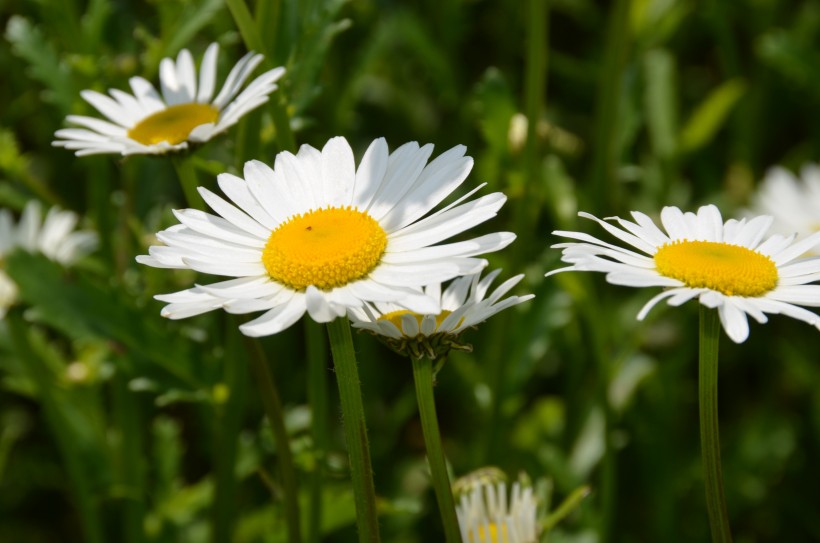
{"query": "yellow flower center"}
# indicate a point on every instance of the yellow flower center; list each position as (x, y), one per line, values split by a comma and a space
(173, 124)
(730, 269)
(326, 248)
(395, 317)
(492, 534)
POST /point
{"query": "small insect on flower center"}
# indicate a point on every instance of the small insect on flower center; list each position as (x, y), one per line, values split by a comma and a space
(173, 124)
(730, 269)
(326, 248)
(395, 317)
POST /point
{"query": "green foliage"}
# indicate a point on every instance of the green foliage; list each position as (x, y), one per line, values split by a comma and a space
(119, 425)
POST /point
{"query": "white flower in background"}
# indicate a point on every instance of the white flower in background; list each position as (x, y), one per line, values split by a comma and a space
(317, 234)
(464, 304)
(793, 202)
(728, 266)
(146, 122)
(487, 515)
(53, 237)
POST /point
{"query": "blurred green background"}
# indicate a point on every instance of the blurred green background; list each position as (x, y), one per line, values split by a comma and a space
(120, 428)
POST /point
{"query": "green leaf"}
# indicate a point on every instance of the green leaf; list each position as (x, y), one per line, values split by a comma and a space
(711, 114)
(661, 101)
(29, 43)
(88, 310)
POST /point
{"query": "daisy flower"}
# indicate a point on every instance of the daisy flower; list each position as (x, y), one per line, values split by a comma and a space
(486, 515)
(186, 113)
(53, 237)
(317, 234)
(463, 305)
(728, 266)
(793, 202)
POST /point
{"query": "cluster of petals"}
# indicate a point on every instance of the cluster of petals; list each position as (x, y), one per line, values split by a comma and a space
(179, 84)
(628, 267)
(793, 202)
(54, 237)
(396, 189)
(485, 515)
(465, 300)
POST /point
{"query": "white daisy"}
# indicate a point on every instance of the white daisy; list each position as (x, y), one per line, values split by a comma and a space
(317, 234)
(793, 202)
(463, 305)
(486, 516)
(53, 237)
(186, 112)
(726, 266)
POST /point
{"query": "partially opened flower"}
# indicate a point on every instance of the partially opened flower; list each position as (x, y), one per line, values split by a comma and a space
(53, 237)
(793, 202)
(464, 304)
(317, 234)
(730, 266)
(487, 514)
(186, 112)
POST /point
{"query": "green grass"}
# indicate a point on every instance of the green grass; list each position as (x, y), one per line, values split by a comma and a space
(639, 105)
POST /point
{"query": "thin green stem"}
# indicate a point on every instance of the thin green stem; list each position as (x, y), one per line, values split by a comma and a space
(709, 435)
(317, 396)
(252, 36)
(247, 28)
(229, 403)
(276, 416)
(529, 204)
(188, 180)
(423, 377)
(607, 134)
(44, 381)
(358, 450)
(131, 463)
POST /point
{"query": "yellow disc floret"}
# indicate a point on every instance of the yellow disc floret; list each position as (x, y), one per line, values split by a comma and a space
(325, 248)
(395, 317)
(173, 124)
(730, 269)
(493, 533)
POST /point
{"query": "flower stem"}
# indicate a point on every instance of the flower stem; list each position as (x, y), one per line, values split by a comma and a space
(350, 394)
(423, 376)
(188, 181)
(709, 436)
(276, 416)
(317, 395)
(229, 405)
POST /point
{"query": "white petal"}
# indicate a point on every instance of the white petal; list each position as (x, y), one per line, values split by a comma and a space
(370, 174)
(234, 215)
(207, 74)
(734, 321)
(277, 319)
(440, 178)
(338, 172)
(317, 306)
(403, 168)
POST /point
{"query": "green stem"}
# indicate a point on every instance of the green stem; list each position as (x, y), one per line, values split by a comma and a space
(188, 180)
(709, 435)
(229, 405)
(276, 416)
(350, 394)
(132, 465)
(252, 36)
(247, 28)
(66, 442)
(423, 376)
(607, 134)
(317, 395)
(529, 203)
